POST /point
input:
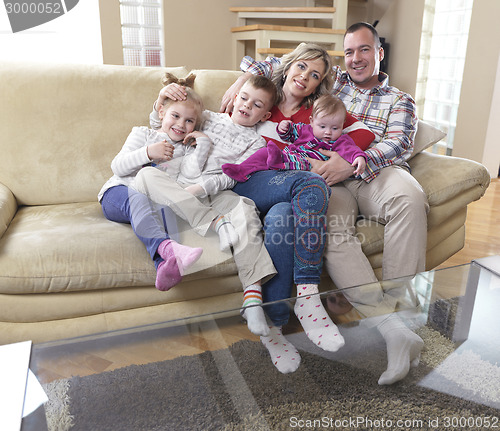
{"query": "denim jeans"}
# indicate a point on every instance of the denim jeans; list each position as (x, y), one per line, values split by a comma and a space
(149, 221)
(293, 205)
(281, 251)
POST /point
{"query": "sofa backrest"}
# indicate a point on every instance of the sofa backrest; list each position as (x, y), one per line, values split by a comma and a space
(61, 125)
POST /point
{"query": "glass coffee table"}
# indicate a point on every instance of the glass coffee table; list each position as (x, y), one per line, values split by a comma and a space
(211, 373)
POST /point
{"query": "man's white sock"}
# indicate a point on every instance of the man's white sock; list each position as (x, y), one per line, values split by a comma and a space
(403, 349)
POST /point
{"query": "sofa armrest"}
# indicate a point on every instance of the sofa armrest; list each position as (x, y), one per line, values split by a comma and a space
(444, 177)
(8, 208)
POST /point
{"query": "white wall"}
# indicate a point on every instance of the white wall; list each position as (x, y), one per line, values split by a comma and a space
(476, 135)
(478, 122)
(74, 37)
(401, 25)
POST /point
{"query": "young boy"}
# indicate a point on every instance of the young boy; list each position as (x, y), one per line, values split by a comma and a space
(323, 132)
(195, 187)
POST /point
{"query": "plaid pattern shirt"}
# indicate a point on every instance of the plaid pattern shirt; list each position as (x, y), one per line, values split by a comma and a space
(388, 112)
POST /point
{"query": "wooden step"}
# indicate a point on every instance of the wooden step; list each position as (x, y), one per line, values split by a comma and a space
(254, 25)
(281, 51)
(286, 28)
(284, 12)
(283, 9)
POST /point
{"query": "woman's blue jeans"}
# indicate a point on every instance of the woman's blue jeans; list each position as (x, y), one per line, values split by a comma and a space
(293, 205)
(149, 220)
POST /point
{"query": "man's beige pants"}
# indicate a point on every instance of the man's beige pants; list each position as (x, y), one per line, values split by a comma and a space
(396, 200)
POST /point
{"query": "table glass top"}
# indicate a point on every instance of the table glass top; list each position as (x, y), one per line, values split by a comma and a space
(454, 310)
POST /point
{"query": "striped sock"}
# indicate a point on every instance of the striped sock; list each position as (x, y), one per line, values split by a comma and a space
(228, 237)
(252, 310)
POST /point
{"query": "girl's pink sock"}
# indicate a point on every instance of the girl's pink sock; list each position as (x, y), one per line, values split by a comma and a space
(167, 275)
(177, 258)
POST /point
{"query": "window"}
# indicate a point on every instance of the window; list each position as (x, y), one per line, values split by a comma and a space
(442, 57)
(142, 34)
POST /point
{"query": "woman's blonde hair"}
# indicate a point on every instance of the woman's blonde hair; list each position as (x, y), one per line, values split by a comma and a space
(191, 96)
(305, 51)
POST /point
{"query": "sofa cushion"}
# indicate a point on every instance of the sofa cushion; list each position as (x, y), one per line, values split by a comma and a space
(427, 135)
(212, 84)
(72, 247)
(65, 305)
(84, 113)
(444, 178)
(8, 207)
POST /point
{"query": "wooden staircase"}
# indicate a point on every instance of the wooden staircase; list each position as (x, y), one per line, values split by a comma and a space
(268, 29)
(274, 52)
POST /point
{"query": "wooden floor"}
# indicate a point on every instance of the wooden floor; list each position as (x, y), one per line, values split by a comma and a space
(482, 239)
(482, 232)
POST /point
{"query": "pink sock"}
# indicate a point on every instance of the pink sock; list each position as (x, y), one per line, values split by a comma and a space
(241, 172)
(183, 254)
(177, 258)
(167, 275)
(275, 156)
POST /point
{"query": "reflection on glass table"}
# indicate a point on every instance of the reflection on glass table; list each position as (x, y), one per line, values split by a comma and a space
(210, 372)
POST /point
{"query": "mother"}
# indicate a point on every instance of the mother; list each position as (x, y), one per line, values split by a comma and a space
(387, 193)
(304, 75)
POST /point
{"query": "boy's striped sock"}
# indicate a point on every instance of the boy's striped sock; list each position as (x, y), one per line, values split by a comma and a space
(228, 237)
(252, 310)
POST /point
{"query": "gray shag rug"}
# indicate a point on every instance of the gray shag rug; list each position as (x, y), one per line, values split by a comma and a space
(239, 389)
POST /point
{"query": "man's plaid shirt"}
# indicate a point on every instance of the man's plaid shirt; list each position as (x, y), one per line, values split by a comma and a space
(388, 112)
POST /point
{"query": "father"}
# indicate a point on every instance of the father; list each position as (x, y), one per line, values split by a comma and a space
(386, 193)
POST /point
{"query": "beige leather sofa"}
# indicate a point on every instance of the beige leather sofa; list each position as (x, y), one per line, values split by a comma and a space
(65, 270)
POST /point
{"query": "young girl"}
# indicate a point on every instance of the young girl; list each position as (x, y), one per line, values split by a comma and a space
(192, 184)
(323, 132)
(122, 204)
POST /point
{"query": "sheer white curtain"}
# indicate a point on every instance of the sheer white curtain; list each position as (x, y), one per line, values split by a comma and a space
(442, 56)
